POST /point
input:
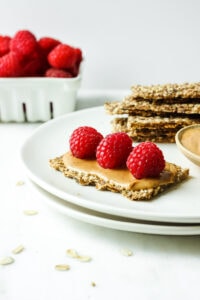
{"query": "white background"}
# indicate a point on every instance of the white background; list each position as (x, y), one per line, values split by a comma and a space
(125, 42)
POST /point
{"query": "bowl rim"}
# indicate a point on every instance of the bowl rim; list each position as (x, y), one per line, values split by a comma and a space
(180, 145)
(35, 79)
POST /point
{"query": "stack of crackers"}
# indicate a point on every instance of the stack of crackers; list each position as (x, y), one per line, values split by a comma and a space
(156, 112)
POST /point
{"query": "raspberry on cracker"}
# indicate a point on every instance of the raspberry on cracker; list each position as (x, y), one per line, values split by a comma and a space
(146, 160)
(113, 150)
(84, 141)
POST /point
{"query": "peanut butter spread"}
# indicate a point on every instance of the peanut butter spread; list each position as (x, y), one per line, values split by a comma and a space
(191, 139)
(122, 176)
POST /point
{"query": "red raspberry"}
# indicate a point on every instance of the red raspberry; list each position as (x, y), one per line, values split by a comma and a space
(79, 56)
(62, 57)
(10, 65)
(4, 44)
(113, 150)
(47, 44)
(23, 42)
(53, 72)
(33, 65)
(84, 141)
(75, 69)
(146, 160)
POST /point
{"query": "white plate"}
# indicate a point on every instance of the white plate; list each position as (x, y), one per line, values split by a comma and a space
(181, 204)
(114, 222)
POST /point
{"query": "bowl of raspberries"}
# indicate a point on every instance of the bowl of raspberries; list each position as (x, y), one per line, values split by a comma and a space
(39, 77)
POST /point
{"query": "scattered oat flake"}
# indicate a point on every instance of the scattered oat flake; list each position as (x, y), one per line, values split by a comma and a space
(30, 212)
(62, 267)
(6, 260)
(93, 284)
(84, 258)
(126, 252)
(20, 182)
(18, 249)
(72, 253)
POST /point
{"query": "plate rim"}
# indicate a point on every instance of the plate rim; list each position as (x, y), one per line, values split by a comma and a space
(104, 220)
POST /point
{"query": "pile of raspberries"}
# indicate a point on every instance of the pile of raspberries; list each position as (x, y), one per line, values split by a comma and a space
(23, 55)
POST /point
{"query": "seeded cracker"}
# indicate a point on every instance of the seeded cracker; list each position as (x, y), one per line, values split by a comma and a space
(167, 107)
(167, 91)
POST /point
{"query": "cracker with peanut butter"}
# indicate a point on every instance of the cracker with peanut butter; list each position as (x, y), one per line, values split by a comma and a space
(88, 172)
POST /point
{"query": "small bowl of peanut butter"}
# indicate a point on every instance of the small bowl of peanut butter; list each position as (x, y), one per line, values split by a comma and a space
(188, 142)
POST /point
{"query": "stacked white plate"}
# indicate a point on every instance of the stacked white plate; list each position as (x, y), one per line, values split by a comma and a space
(175, 212)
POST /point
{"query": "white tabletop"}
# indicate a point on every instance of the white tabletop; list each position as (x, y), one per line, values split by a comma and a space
(160, 267)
